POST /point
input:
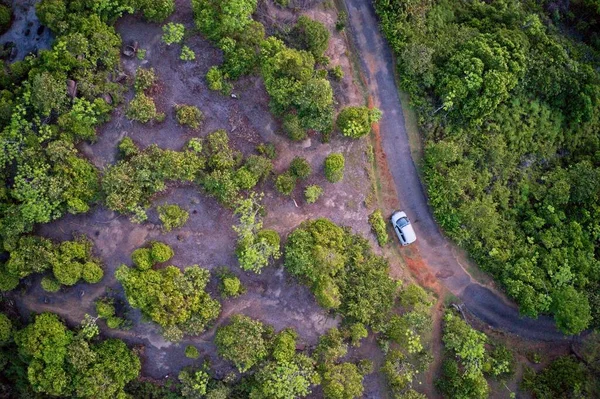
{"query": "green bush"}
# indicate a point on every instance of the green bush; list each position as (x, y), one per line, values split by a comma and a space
(67, 273)
(243, 341)
(285, 183)
(341, 21)
(357, 332)
(231, 287)
(378, 226)
(172, 216)
(5, 18)
(114, 322)
(156, 10)
(283, 3)
(355, 122)
(8, 281)
(188, 115)
(337, 73)
(92, 272)
(144, 79)
(191, 352)
(50, 284)
(215, 79)
(142, 109)
(300, 168)
(334, 167)
(312, 35)
(5, 329)
(187, 54)
(173, 33)
(312, 193)
(127, 148)
(160, 252)
(142, 258)
(105, 308)
(268, 150)
(292, 128)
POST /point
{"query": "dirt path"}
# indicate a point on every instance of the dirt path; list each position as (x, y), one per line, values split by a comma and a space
(433, 250)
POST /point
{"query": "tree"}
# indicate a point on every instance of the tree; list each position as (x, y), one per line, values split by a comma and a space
(312, 193)
(355, 122)
(5, 329)
(217, 19)
(285, 183)
(285, 379)
(172, 216)
(334, 167)
(172, 33)
(256, 246)
(194, 382)
(243, 341)
(300, 168)
(342, 381)
(311, 35)
(176, 301)
(156, 10)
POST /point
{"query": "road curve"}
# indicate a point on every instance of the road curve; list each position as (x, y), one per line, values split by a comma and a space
(436, 250)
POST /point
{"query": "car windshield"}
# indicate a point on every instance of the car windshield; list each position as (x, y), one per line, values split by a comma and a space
(402, 222)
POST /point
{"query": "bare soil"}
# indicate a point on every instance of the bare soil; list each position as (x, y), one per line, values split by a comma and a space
(207, 239)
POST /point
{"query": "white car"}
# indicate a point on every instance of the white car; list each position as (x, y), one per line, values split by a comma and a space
(403, 228)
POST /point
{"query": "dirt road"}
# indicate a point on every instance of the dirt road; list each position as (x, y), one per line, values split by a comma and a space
(438, 253)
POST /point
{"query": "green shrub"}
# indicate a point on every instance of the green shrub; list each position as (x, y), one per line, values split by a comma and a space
(195, 144)
(173, 33)
(268, 150)
(355, 122)
(127, 148)
(105, 308)
(356, 332)
(292, 128)
(334, 167)
(144, 79)
(92, 273)
(337, 73)
(342, 20)
(114, 322)
(5, 18)
(244, 179)
(285, 183)
(5, 329)
(187, 54)
(312, 193)
(142, 258)
(217, 82)
(141, 54)
(231, 287)
(172, 216)
(242, 341)
(188, 115)
(8, 281)
(156, 10)
(67, 273)
(142, 109)
(50, 284)
(160, 252)
(283, 3)
(312, 35)
(300, 168)
(191, 352)
(378, 226)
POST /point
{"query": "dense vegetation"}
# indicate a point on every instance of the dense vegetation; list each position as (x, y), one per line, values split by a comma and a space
(510, 110)
(46, 358)
(69, 262)
(174, 300)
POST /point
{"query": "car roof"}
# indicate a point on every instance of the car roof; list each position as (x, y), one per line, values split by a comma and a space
(409, 233)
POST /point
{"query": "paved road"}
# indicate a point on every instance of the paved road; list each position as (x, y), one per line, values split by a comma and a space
(437, 251)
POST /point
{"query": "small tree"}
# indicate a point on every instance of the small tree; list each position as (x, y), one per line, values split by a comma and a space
(187, 54)
(173, 33)
(334, 167)
(378, 226)
(172, 216)
(356, 122)
(285, 183)
(188, 115)
(300, 168)
(242, 341)
(191, 352)
(312, 193)
(142, 109)
(144, 79)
